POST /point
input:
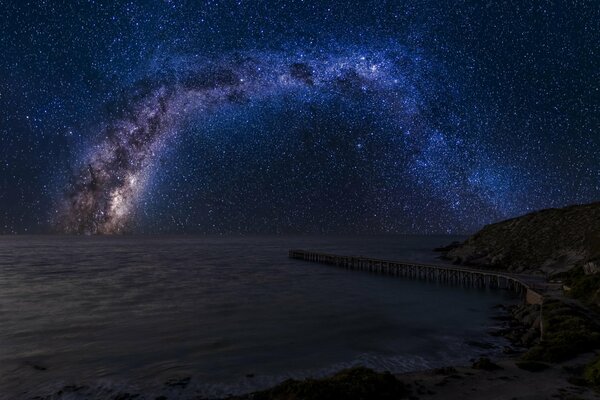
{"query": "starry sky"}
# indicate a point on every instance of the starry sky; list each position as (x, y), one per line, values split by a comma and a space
(298, 116)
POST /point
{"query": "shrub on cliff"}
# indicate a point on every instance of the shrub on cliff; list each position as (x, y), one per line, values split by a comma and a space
(567, 333)
(592, 373)
(583, 287)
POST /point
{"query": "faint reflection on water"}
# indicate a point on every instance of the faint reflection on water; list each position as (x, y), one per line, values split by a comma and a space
(134, 312)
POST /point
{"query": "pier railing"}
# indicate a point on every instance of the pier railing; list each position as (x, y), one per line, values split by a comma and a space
(528, 286)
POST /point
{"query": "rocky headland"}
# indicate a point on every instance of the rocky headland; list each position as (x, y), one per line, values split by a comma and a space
(549, 241)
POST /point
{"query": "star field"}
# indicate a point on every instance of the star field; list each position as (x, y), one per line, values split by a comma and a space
(294, 116)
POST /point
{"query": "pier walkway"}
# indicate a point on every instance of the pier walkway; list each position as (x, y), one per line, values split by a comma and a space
(531, 287)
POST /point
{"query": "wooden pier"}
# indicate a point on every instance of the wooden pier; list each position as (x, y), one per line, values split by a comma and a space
(529, 286)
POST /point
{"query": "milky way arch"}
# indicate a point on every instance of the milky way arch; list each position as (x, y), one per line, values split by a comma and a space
(103, 195)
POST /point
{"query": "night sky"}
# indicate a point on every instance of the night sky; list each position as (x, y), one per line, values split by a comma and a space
(317, 116)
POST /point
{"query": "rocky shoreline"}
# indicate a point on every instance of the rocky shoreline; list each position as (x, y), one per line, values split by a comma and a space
(517, 375)
(522, 326)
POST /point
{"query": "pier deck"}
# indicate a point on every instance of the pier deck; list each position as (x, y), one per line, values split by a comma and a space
(530, 286)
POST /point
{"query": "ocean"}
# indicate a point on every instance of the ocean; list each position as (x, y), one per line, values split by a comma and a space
(186, 316)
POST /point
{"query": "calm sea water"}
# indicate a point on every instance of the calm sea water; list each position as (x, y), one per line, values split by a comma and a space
(128, 314)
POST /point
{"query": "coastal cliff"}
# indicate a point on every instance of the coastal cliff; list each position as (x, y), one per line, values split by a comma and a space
(548, 241)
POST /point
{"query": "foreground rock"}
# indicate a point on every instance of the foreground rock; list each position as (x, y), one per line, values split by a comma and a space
(350, 384)
(548, 241)
(512, 380)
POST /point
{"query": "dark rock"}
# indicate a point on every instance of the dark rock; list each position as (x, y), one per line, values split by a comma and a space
(532, 366)
(485, 364)
(445, 249)
(444, 371)
(530, 337)
(350, 384)
(510, 351)
(578, 381)
(521, 327)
